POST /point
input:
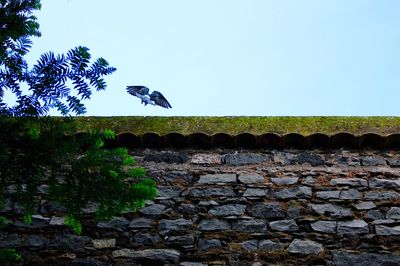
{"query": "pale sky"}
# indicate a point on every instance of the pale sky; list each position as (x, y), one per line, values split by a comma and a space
(236, 57)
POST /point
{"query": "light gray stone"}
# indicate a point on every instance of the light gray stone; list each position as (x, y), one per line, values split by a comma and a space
(354, 182)
(324, 226)
(205, 158)
(57, 221)
(374, 215)
(255, 192)
(384, 183)
(251, 179)
(351, 194)
(381, 195)
(384, 221)
(217, 178)
(365, 205)
(104, 243)
(393, 213)
(228, 210)
(290, 193)
(352, 227)
(284, 180)
(166, 256)
(382, 230)
(284, 225)
(213, 225)
(331, 194)
(252, 225)
(236, 159)
(305, 247)
(373, 161)
(331, 210)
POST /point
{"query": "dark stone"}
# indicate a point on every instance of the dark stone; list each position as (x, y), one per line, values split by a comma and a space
(381, 195)
(69, 242)
(206, 244)
(168, 192)
(372, 161)
(213, 225)
(284, 225)
(149, 256)
(183, 241)
(290, 193)
(384, 183)
(117, 223)
(310, 158)
(170, 226)
(293, 212)
(267, 210)
(332, 194)
(211, 192)
(228, 210)
(253, 225)
(270, 245)
(153, 210)
(305, 247)
(146, 239)
(79, 262)
(236, 159)
(35, 241)
(249, 245)
(167, 157)
(38, 221)
(344, 259)
(51, 207)
(10, 241)
(188, 209)
(331, 210)
(394, 162)
(351, 194)
(141, 222)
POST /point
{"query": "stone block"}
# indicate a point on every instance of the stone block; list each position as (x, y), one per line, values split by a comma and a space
(228, 210)
(249, 179)
(217, 178)
(305, 247)
(352, 227)
(284, 225)
(324, 226)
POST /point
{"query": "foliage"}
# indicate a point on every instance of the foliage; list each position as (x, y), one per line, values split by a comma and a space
(8, 256)
(37, 149)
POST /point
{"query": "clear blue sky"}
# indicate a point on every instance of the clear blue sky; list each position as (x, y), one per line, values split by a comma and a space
(236, 57)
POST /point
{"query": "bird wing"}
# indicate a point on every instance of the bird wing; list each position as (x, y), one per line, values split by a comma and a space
(137, 90)
(159, 99)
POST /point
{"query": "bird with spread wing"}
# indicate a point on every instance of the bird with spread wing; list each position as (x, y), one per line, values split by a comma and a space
(155, 98)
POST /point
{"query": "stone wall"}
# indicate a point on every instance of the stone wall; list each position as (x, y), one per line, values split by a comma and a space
(227, 207)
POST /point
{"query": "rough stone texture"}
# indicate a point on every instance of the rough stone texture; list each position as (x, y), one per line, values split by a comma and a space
(228, 210)
(290, 193)
(251, 179)
(324, 226)
(355, 182)
(331, 210)
(305, 247)
(284, 180)
(217, 178)
(244, 158)
(166, 256)
(310, 207)
(284, 225)
(352, 227)
(363, 259)
(373, 161)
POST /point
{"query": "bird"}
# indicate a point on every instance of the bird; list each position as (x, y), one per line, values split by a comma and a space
(142, 92)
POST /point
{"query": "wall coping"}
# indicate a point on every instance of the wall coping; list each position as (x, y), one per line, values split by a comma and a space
(235, 125)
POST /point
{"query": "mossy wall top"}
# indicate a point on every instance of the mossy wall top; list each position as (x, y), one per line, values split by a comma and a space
(256, 125)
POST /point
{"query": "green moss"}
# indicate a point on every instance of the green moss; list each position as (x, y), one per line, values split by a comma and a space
(186, 125)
